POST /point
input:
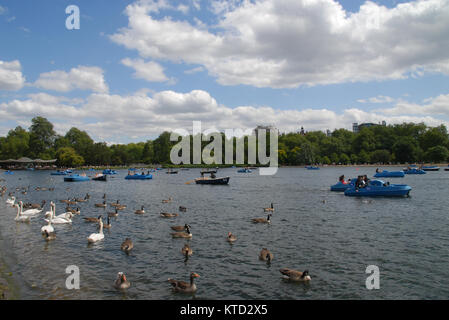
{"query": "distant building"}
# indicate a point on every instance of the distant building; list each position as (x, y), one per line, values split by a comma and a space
(302, 132)
(328, 133)
(357, 127)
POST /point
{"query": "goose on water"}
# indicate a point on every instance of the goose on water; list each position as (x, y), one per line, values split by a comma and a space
(182, 286)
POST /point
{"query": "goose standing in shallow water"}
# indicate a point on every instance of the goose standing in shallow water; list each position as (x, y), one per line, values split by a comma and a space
(20, 218)
(262, 220)
(95, 237)
(266, 255)
(182, 286)
(295, 275)
(127, 245)
(121, 282)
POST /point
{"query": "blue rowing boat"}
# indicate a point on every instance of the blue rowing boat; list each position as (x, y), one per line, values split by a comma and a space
(244, 170)
(389, 174)
(378, 188)
(312, 168)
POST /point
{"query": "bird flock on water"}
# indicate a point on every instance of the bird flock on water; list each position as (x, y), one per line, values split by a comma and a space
(27, 211)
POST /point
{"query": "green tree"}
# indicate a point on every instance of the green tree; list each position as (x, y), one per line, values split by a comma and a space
(42, 136)
(344, 159)
(380, 156)
(437, 154)
(68, 157)
(405, 150)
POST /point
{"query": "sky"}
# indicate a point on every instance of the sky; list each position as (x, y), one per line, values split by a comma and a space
(136, 68)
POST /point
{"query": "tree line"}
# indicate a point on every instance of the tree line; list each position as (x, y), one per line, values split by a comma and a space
(400, 143)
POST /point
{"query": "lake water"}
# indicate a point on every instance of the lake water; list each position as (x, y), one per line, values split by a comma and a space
(335, 239)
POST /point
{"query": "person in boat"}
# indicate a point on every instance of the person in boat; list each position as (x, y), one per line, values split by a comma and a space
(212, 175)
(342, 179)
(365, 180)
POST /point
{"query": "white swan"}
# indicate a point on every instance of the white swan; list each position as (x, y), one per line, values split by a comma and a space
(94, 237)
(48, 228)
(51, 210)
(30, 212)
(19, 217)
(60, 219)
(11, 200)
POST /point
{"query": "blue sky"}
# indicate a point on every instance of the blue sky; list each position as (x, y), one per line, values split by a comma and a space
(227, 63)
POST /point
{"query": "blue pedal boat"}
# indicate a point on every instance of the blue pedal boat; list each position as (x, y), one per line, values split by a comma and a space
(312, 168)
(76, 177)
(244, 170)
(109, 171)
(389, 174)
(378, 188)
(340, 187)
(414, 171)
(59, 173)
(139, 176)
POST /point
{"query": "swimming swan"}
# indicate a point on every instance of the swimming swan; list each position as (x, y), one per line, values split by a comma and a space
(19, 217)
(30, 212)
(94, 237)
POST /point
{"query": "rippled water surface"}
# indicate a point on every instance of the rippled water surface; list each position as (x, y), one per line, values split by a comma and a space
(333, 236)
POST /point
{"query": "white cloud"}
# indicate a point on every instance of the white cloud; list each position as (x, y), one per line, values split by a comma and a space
(11, 77)
(378, 99)
(194, 70)
(3, 10)
(150, 71)
(82, 77)
(289, 43)
(432, 106)
(120, 118)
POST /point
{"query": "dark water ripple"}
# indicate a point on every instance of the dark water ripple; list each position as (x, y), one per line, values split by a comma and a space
(333, 236)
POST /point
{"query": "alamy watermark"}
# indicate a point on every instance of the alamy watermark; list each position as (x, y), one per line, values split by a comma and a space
(73, 20)
(373, 280)
(73, 280)
(212, 153)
